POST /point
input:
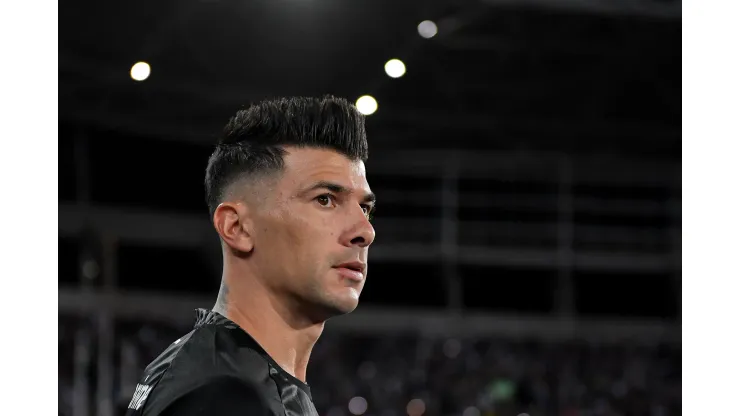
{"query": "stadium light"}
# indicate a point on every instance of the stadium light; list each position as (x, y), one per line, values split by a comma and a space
(358, 405)
(140, 71)
(452, 348)
(367, 105)
(395, 68)
(471, 411)
(427, 29)
(416, 407)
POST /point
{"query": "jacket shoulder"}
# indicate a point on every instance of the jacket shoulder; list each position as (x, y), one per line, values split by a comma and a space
(206, 357)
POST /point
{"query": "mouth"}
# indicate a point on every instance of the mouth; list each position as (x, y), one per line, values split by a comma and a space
(353, 265)
(352, 270)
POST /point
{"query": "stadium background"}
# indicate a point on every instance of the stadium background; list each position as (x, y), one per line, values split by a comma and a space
(527, 166)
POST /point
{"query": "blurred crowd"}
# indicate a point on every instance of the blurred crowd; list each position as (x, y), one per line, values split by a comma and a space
(410, 374)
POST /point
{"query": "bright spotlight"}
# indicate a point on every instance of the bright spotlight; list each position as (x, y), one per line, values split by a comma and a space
(140, 71)
(427, 29)
(367, 105)
(395, 68)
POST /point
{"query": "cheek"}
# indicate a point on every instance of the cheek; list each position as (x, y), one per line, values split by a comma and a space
(306, 241)
(308, 234)
(314, 225)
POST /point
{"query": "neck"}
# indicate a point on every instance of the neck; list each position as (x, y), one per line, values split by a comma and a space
(284, 334)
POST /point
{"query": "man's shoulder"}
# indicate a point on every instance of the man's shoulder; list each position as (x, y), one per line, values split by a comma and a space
(196, 366)
(223, 395)
(216, 351)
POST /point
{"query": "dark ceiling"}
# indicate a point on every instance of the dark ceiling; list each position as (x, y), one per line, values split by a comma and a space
(498, 75)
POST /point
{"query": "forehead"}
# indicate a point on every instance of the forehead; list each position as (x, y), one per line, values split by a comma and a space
(307, 165)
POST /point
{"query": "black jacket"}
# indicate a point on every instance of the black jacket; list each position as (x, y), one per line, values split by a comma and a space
(218, 369)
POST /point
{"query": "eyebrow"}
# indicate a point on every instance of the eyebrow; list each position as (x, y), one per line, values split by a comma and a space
(340, 189)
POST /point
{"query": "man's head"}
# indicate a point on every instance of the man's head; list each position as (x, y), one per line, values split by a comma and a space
(288, 195)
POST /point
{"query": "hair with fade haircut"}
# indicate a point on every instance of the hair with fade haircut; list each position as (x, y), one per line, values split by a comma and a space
(252, 141)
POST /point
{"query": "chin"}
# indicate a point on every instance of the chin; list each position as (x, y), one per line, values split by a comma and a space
(343, 304)
(346, 306)
(328, 302)
(349, 307)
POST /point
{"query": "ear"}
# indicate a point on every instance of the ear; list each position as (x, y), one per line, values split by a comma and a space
(232, 224)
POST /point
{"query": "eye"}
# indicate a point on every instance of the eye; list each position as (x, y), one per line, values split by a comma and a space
(369, 210)
(325, 200)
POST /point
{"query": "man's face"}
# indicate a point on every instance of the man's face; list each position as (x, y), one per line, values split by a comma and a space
(314, 219)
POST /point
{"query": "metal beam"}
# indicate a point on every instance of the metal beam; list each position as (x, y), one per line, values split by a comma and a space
(204, 132)
(215, 96)
(146, 227)
(596, 169)
(583, 260)
(103, 75)
(532, 202)
(178, 310)
(647, 8)
(178, 230)
(552, 126)
(162, 129)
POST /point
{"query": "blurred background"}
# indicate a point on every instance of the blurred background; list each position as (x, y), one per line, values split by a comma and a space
(526, 156)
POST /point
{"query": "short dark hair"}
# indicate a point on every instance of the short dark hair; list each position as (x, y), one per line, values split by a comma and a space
(252, 141)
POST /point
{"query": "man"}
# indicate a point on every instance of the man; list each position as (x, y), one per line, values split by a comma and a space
(288, 196)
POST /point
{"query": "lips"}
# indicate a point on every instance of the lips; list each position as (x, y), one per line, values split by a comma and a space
(351, 270)
(352, 265)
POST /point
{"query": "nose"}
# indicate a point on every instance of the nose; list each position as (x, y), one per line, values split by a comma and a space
(361, 234)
